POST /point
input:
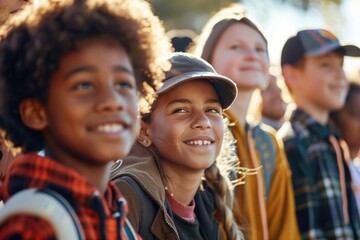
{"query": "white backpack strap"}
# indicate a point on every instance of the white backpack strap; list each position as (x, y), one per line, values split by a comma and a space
(47, 205)
(129, 230)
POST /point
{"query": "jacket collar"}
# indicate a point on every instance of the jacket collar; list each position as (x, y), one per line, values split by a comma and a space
(302, 121)
(141, 165)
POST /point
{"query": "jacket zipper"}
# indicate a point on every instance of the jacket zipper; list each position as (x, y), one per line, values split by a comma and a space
(166, 215)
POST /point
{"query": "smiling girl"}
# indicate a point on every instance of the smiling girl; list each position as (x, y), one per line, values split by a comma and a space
(175, 161)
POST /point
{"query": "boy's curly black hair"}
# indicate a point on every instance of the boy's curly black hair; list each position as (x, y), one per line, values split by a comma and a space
(34, 40)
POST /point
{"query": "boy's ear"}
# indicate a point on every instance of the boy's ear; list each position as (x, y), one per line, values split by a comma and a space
(33, 114)
(290, 76)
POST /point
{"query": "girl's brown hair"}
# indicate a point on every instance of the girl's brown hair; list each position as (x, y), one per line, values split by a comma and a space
(216, 26)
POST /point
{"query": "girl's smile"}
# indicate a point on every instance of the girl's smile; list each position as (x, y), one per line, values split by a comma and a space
(187, 126)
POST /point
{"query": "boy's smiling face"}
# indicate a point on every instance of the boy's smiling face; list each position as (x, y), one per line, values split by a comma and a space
(322, 84)
(91, 110)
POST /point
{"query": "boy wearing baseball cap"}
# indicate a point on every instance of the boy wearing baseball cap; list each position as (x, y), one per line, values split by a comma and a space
(312, 66)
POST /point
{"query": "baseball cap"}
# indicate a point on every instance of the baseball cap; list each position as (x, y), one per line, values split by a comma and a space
(186, 67)
(314, 42)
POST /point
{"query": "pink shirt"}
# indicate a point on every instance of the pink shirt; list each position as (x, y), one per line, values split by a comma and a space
(185, 212)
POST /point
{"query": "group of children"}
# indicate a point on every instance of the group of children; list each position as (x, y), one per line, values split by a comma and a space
(139, 142)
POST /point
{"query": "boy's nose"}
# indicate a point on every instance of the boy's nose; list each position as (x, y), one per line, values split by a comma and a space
(110, 99)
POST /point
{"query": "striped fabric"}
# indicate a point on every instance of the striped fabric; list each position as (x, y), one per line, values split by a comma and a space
(101, 216)
(316, 180)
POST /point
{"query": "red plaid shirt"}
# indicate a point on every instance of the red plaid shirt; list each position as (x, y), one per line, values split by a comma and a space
(96, 212)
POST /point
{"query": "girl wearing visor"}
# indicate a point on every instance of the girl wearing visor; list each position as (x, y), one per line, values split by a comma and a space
(176, 176)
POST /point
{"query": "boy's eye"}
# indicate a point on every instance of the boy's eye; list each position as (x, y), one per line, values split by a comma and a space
(124, 85)
(325, 64)
(84, 86)
(328, 64)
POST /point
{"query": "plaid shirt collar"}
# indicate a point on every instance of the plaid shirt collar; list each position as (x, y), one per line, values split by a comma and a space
(303, 121)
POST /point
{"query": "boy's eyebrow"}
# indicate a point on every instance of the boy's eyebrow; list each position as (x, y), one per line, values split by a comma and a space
(123, 69)
(117, 68)
(184, 100)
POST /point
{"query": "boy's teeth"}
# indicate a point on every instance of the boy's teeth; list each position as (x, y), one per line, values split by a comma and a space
(110, 128)
(199, 142)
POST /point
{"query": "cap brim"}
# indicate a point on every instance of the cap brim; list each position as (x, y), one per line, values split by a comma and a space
(225, 88)
(347, 50)
(351, 50)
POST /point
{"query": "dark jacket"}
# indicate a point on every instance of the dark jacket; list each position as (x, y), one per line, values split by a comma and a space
(140, 165)
(101, 216)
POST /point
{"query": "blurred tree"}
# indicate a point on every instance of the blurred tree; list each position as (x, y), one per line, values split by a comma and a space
(328, 8)
(307, 4)
(192, 14)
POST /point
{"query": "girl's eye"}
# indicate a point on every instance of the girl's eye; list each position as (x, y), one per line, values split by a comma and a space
(180, 110)
(215, 110)
(236, 47)
(260, 49)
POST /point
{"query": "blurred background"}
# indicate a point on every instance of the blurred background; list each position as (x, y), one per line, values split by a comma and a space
(278, 19)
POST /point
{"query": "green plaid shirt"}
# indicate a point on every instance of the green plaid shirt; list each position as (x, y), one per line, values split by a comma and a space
(315, 176)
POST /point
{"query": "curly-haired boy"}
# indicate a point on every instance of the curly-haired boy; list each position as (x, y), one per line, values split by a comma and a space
(70, 72)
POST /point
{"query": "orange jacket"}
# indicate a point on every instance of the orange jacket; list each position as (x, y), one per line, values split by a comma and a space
(101, 216)
(262, 219)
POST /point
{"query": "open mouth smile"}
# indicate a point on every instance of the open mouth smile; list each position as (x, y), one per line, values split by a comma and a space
(110, 128)
(199, 142)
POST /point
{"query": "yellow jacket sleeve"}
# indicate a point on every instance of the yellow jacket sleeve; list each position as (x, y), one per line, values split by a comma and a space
(280, 206)
(279, 214)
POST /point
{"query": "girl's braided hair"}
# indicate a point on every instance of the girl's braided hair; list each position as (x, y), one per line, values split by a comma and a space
(34, 40)
(219, 179)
